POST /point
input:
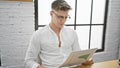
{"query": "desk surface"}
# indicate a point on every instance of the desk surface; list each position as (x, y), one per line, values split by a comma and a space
(106, 64)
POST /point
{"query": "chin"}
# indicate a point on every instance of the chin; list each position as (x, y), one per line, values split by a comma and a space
(61, 26)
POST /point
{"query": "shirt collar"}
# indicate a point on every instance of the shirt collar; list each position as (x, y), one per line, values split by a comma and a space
(53, 31)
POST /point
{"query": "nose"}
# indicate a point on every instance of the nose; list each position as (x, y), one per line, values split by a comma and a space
(63, 20)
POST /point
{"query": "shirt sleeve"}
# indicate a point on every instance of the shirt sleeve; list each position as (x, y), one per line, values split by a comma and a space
(76, 46)
(33, 51)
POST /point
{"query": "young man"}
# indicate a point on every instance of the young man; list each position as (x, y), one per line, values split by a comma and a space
(54, 42)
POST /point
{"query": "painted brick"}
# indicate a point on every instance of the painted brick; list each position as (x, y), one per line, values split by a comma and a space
(16, 28)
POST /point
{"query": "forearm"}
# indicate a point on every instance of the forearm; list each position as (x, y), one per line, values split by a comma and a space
(40, 66)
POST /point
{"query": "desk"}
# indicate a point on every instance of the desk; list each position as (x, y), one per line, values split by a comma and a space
(106, 64)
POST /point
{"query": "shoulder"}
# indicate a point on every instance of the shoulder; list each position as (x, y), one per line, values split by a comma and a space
(41, 31)
(69, 30)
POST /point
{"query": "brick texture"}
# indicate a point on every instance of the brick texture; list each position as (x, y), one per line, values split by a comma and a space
(112, 33)
(16, 28)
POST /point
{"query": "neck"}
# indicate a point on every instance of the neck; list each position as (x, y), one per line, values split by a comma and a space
(54, 28)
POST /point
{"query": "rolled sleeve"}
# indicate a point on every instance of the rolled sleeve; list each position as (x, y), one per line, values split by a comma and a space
(35, 65)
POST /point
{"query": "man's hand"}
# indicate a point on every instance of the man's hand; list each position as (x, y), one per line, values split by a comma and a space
(88, 62)
(40, 67)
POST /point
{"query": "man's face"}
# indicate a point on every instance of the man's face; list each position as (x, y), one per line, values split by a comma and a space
(59, 18)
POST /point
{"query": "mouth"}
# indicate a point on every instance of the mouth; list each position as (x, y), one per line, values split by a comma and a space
(61, 24)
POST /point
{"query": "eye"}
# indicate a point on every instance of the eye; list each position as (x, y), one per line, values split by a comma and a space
(66, 17)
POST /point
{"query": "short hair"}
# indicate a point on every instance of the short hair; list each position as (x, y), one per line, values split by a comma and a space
(60, 5)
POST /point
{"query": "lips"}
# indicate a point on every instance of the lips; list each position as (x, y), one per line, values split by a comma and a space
(61, 23)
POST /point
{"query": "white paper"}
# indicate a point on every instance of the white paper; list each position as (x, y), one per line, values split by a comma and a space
(78, 57)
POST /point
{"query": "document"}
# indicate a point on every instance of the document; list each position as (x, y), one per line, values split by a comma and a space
(78, 57)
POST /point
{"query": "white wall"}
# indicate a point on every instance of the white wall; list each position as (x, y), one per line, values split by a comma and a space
(17, 26)
(112, 40)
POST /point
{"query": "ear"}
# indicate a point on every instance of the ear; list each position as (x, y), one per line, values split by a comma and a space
(51, 13)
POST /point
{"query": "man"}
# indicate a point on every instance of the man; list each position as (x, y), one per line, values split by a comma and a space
(54, 42)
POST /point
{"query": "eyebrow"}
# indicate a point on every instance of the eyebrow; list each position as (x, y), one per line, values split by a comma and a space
(60, 15)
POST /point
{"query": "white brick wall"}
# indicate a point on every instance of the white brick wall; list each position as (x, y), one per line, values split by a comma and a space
(17, 26)
(112, 33)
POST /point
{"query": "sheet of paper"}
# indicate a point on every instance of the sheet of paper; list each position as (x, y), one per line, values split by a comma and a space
(79, 57)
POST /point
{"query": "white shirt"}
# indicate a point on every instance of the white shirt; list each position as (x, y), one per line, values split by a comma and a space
(44, 44)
